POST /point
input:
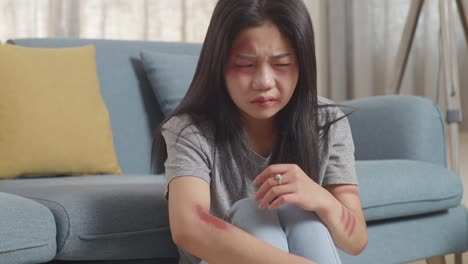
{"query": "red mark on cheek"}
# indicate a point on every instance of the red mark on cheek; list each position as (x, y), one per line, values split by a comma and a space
(210, 219)
(284, 72)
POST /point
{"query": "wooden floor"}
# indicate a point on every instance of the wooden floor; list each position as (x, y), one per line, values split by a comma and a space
(464, 175)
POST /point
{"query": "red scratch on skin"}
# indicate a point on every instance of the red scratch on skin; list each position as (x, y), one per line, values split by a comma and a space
(353, 224)
(343, 214)
(210, 219)
(348, 191)
(349, 220)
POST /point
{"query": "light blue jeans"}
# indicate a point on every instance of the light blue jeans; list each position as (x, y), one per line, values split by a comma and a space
(289, 228)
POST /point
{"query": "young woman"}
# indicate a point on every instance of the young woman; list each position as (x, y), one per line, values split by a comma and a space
(259, 168)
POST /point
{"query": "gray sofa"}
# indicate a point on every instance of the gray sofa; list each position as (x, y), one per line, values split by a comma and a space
(410, 200)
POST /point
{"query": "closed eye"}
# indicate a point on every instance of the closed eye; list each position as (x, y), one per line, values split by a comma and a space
(244, 65)
(283, 64)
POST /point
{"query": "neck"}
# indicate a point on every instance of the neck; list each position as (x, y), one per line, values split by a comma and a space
(261, 135)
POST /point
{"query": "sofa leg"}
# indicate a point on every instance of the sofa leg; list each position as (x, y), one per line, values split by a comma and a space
(436, 260)
(458, 258)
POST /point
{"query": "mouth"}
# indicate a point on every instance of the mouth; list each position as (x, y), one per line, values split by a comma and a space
(265, 101)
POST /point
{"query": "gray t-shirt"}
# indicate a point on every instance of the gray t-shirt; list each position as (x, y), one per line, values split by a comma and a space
(190, 153)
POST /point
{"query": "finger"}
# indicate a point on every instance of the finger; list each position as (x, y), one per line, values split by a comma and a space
(270, 171)
(282, 200)
(265, 187)
(274, 193)
(269, 183)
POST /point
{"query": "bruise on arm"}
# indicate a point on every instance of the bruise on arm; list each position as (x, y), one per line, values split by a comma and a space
(348, 219)
(351, 219)
(349, 191)
(210, 219)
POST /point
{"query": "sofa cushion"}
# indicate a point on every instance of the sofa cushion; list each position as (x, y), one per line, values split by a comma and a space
(103, 217)
(408, 239)
(396, 188)
(133, 109)
(413, 129)
(54, 121)
(170, 76)
(27, 231)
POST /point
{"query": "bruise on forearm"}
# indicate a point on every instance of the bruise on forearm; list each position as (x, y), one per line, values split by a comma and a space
(348, 223)
(211, 220)
(348, 219)
(350, 191)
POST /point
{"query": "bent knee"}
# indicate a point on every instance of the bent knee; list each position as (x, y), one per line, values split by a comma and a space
(291, 215)
(241, 209)
(261, 223)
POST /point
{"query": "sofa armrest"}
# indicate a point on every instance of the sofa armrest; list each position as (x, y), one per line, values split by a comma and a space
(397, 127)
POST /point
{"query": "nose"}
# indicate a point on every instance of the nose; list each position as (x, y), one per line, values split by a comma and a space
(264, 79)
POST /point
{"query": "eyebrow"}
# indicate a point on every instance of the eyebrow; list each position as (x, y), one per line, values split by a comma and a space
(251, 57)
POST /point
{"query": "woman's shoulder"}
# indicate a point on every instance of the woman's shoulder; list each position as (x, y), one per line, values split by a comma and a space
(187, 125)
(178, 123)
(328, 110)
(324, 101)
(333, 118)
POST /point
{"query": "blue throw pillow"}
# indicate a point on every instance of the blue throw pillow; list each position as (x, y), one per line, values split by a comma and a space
(170, 76)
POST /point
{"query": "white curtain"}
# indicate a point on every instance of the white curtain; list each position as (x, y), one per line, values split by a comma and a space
(362, 38)
(168, 20)
(357, 40)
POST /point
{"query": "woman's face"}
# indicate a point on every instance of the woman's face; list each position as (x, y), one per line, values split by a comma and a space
(261, 72)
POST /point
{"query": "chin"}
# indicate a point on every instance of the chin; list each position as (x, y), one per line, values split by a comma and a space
(259, 114)
(262, 115)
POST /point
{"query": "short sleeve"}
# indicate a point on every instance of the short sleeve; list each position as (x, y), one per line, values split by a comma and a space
(187, 151)
(340, 167)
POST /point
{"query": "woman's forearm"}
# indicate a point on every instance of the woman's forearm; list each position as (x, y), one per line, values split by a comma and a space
(347, 228)
(217, 241)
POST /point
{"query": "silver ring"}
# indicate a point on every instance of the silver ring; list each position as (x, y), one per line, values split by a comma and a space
(279, 178)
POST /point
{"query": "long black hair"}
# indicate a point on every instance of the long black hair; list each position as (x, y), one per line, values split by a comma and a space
(298, 126)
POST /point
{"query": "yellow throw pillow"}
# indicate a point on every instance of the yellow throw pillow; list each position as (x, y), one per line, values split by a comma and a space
(53, 120)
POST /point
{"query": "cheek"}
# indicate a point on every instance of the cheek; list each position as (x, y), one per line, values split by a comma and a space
(288, 81)
(293, 75)
(287, 73)
(233, 85)
(288, 76)
(238, 80)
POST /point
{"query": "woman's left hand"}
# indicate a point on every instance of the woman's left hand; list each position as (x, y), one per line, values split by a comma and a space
(295, 188)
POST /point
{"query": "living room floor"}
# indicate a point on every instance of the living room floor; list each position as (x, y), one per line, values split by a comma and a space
(464, 173)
